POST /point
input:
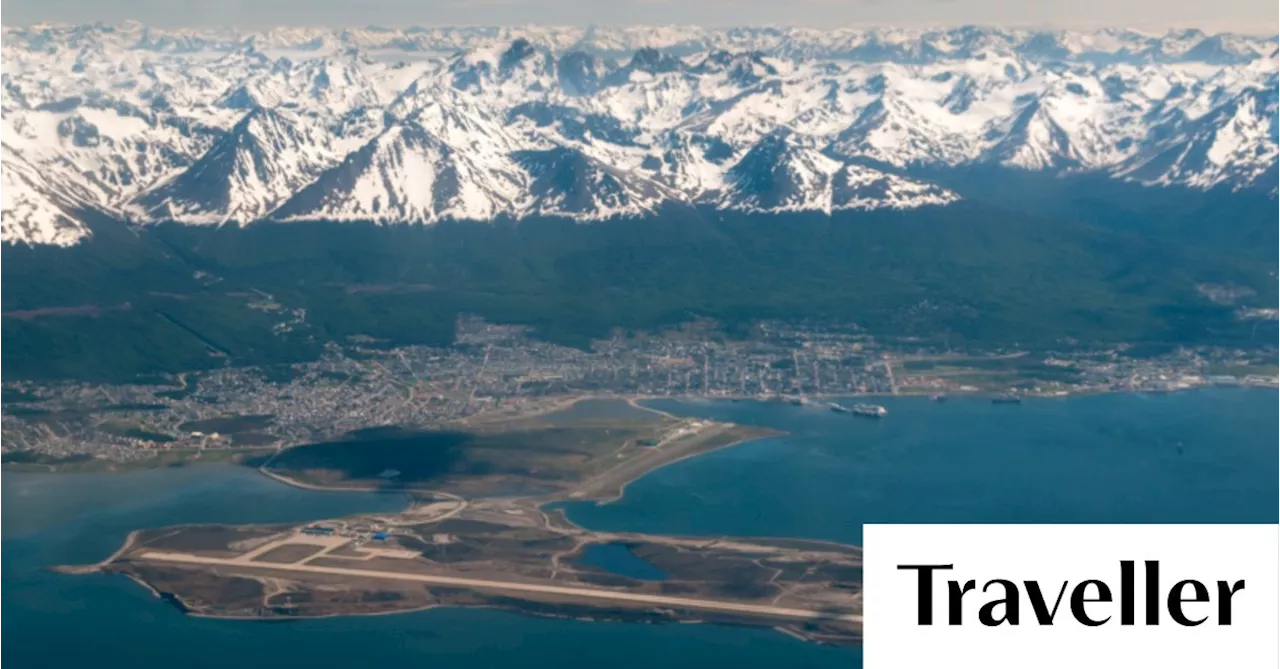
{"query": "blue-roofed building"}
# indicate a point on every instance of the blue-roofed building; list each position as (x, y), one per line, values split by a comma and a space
(380, 536)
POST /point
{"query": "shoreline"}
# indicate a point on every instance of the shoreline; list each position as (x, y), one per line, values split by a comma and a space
(281, 478)
(634, 400)
(513, 610)
(622, 489)
(233, 456)
(101, 565)
(538, 502)
(537, 608)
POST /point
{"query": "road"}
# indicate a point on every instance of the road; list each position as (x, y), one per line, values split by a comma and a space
(480, 584)
(462, 503)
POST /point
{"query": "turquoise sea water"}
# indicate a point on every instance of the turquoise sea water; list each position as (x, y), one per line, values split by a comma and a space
(1113, 458)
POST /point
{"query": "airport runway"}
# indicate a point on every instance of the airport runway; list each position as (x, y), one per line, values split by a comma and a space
(480, 584)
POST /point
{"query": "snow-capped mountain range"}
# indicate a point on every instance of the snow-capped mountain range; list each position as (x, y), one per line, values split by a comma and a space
(418, 125)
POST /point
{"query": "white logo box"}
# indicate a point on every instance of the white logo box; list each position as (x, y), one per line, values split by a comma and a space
(1230, 620)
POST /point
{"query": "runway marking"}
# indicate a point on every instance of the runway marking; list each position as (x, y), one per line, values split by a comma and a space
(482, 584)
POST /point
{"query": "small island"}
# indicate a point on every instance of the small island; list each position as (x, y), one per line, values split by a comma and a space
(484, 526)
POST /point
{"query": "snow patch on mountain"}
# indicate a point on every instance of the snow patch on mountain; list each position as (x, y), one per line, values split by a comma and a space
(568, 183)
(262, 161)
(32, 211)
(780, 173)
(863, 188)
(404, 174)
(417, 125)
(1236, 143)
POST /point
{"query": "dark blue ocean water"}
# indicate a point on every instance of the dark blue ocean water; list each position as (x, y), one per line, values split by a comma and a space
(1194, 457)
(1108, 458)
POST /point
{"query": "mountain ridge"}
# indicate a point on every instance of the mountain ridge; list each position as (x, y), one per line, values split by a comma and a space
(225, 126)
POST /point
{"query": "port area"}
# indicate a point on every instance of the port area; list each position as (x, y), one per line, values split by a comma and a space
(455, 545)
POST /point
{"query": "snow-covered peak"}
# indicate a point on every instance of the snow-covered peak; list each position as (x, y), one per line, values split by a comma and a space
(417, 124)
(265, 158)
(781, 173)
(566, 182)
(620, 42)
(35, 210)
(405, 174)
(1235, 143)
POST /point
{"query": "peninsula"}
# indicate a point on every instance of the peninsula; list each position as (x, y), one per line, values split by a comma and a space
(484, 526)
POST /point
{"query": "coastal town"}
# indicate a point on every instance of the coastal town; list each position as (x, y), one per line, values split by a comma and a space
(501, 370)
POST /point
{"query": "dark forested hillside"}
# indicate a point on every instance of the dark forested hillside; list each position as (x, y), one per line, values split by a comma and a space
(175, 297)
